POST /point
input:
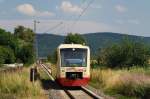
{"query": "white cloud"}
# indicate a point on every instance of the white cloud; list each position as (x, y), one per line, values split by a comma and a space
(29, 10)
(26, 9)
(120, 8)
(67, 7)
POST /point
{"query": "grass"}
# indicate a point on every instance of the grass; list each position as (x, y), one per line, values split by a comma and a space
(43, 74)
(53, 68)
(123, 84)
(17, 85)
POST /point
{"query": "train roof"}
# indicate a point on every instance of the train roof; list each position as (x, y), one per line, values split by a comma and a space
(72, 46)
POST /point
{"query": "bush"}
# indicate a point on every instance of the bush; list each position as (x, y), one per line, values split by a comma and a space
(7, 55)
(26, 54)
(125, 54)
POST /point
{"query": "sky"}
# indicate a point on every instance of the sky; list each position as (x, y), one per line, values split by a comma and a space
(77, 16)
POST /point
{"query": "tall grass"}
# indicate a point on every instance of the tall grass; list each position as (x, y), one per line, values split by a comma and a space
(18, 85)
(132, 83)
(53, 68)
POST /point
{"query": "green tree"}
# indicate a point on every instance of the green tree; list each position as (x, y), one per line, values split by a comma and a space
(24, 33)
(7, 55)
(74, 38)
(17, 47)
(26, 50)
(27, 54)
(8, 39)
(125, 54)
(8, 47)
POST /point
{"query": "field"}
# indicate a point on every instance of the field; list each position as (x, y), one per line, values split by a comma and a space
(123, 84)
(17, 85)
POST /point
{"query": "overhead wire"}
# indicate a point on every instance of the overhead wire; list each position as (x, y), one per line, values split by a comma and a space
(66, 25)
(84, 10)
(54, 27)
(80, 6)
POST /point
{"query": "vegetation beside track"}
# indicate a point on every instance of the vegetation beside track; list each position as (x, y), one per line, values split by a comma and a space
(53, 68)
(123, 83)
(43, 74)
(17, 85)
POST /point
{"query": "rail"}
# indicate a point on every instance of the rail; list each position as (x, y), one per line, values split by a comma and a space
(71, 93)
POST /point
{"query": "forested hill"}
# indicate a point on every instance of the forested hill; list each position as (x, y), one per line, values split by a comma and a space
(47, 43)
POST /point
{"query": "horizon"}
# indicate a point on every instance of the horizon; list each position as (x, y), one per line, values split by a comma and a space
(92, 33)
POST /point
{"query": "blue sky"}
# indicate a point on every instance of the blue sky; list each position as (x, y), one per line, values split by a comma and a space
(123, 16)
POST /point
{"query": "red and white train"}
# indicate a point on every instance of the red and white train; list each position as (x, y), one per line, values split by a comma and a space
(73, 65)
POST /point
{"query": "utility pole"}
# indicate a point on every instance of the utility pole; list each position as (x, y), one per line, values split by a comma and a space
(33, 70)
(36, 43)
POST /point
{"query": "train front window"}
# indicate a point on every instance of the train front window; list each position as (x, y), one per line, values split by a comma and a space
(73, 57)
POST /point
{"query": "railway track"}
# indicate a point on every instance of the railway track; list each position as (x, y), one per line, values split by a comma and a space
(74, 92)
(81, 93)
(47, 70)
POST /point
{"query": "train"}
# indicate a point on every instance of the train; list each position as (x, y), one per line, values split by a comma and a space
(73, 65)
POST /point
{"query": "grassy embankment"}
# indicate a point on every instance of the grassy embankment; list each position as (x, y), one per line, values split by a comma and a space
(17, 85)
(123, 84)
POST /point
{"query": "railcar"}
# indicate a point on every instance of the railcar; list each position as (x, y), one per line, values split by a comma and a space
(73, 65)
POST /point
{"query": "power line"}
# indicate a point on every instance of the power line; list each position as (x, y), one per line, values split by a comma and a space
(61, 23)
(84, 10)
(66, 25)
(80, 6)
(54, 27)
